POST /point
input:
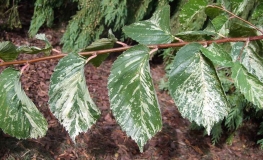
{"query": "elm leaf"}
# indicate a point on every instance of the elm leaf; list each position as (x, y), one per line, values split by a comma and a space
(8, 51)
(156, 30)
(196, 89)
(70, 100)
(132, 96)
(248, 84)
(19, 117)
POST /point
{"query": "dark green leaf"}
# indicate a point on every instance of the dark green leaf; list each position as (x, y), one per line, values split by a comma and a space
(132, 96)
(8, 51)
(100, 44)
(19, 117)
(196, 89)
(213, 12)
(195, 35)
(238, 29)
(70, 100)
(153, 31)
(32, 50)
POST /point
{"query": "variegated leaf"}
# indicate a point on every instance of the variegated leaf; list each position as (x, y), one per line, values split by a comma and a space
(19, 116)
(217, 55)
(153, 31)
(196, 89)
(249, 58)
(248, 84)
(192, 15)
(70, 100)
(132, 96)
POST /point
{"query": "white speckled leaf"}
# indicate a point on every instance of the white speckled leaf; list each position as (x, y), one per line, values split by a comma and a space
(69, 98)
(248, 84)
(196, 89)
(19, 117)
(249, 58)
(153, 31)
(192, 15)
(217, 55)
(132, 96)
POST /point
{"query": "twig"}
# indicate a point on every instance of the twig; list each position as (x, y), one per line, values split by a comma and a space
(24, 68)
(232, 14)
(121, 49)
(91, 57)
(121, 43)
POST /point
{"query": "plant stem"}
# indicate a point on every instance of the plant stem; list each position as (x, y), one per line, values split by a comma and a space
(213, 6)
(121, 49)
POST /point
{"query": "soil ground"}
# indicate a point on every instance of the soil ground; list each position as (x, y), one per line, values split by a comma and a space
(106, 140)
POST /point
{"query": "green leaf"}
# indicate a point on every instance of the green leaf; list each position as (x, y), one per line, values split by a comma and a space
(104, 43)
(195, 35)
(70, 100)
(247, 55)
(192, 15)
(43, 38)
(238, 29)
(153, 31)
(244, 8)
(48, 46)
(217, 55)
(256, 17)
(8, 51)
(19, 117)
(132, 96)
(213, 11)
(248, 84)
(32, 50)
(196, 89)
(100, 44)
(221, 25)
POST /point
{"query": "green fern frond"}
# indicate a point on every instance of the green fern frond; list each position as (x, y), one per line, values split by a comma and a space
(235, 116)
(43, 12)
(260, 142)
(114, 11)
(216, 133)
(84, 27)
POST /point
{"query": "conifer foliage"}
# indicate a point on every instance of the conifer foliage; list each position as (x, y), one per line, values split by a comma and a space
(211, 83)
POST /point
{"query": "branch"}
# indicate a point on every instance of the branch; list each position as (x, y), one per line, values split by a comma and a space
(255, 27)
(121, 49)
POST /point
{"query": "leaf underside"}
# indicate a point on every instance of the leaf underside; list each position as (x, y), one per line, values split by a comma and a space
(19, 117)
(132, 96)
(70, 100)
(196, 89)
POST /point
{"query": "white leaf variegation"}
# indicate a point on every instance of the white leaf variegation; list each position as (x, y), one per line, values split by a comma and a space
(69, 98)
(196, 89)
(19, 117)
(248, 55)
(132, 96)
(248, 84)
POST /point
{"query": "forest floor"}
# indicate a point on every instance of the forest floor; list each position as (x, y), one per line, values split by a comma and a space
(105, 140)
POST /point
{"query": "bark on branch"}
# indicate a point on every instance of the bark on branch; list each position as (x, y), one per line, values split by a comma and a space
(121, 49)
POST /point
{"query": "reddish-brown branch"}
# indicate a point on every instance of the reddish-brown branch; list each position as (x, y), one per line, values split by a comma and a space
(121, 49)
